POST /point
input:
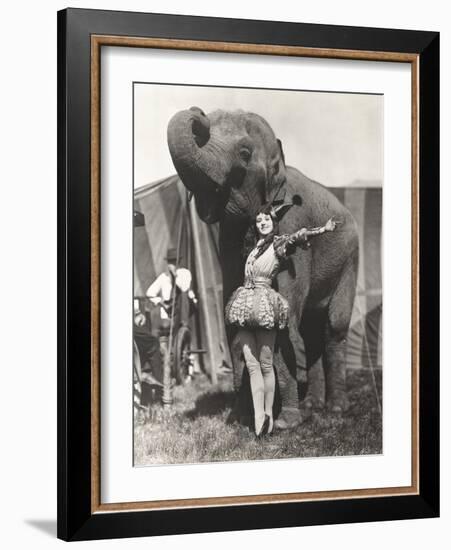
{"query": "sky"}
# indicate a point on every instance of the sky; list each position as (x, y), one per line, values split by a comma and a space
(334, 138)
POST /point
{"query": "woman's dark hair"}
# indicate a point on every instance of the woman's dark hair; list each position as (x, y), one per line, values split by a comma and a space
(251, 237)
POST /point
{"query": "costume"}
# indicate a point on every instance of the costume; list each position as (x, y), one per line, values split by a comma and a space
(259, 311)
(256, 304)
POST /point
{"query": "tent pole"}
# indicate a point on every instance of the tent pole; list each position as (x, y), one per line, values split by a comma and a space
(225, 356)
(221, 352)
(203, 290)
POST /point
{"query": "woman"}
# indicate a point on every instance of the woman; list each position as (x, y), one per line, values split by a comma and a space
(259, 311)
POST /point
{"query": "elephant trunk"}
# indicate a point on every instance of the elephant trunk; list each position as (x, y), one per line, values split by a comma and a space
(201, 161)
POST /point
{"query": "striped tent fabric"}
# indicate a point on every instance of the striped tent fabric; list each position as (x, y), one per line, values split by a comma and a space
(364, 347)
(167, 212)
(162, 204)
(168, 217)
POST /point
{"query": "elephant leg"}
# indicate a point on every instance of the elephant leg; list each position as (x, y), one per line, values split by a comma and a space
(242, 410)
(285, 367)
(288, 361)
(236, 353)
(338, 319)
(290, 358)
(312, 330)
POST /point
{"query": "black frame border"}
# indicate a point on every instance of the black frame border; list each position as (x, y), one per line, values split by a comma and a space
(75, 520)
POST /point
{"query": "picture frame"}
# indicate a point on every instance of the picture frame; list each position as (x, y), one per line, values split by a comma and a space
(81, 36)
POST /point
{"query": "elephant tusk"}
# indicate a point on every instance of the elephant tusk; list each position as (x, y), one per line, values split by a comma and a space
(190, 195)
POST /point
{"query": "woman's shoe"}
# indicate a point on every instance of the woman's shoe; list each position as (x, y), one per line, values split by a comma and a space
(264, 429)
(270, 426)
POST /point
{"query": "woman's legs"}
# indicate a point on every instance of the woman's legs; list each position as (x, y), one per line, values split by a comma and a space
(248, 344)
(265, 346)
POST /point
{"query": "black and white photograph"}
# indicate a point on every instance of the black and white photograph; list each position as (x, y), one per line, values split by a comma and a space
(226, 275)
(257, 277)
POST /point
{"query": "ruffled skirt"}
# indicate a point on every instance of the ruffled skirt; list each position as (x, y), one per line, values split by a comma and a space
(257, 307)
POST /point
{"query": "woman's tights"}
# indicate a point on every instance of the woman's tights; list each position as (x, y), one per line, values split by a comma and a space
(258, 349)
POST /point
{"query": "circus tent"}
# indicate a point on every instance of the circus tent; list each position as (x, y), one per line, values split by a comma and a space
(170, 221)
(364, 347)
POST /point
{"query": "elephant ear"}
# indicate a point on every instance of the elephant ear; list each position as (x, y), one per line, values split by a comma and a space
(279, 176)
(279, 143)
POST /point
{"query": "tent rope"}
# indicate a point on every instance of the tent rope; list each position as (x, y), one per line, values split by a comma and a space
(373, 376)
(174, 289)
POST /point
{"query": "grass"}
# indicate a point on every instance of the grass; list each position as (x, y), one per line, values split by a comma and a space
(195, 429)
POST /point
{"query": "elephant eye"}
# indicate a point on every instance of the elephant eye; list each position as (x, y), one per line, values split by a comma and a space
(245, 155)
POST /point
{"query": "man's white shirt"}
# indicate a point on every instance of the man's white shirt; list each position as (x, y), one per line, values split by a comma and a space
(161, 288)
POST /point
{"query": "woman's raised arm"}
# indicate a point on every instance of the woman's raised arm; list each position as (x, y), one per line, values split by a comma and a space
(285, 245)
(301, 237)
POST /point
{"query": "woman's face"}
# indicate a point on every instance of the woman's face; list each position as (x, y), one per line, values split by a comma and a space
(264, 224)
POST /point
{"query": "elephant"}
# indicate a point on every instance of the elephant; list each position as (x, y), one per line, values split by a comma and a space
(233, 164)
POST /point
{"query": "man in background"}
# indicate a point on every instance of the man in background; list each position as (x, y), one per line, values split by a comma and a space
(160, 292)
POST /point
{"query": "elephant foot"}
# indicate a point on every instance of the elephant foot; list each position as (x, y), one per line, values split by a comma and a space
(338, 404)
(308, 405)
(312, 403)
(287, 419)
(233, 417)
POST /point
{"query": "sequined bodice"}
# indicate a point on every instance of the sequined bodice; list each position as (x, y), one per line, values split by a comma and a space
(261, 269)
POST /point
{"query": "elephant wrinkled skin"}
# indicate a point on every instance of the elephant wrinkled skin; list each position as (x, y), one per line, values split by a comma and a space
(234, 164)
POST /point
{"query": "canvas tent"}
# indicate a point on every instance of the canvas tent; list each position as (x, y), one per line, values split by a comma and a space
(364, 347)
(169, 216)
(171, 221)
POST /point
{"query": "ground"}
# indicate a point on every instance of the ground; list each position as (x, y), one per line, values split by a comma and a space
(195, 429)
